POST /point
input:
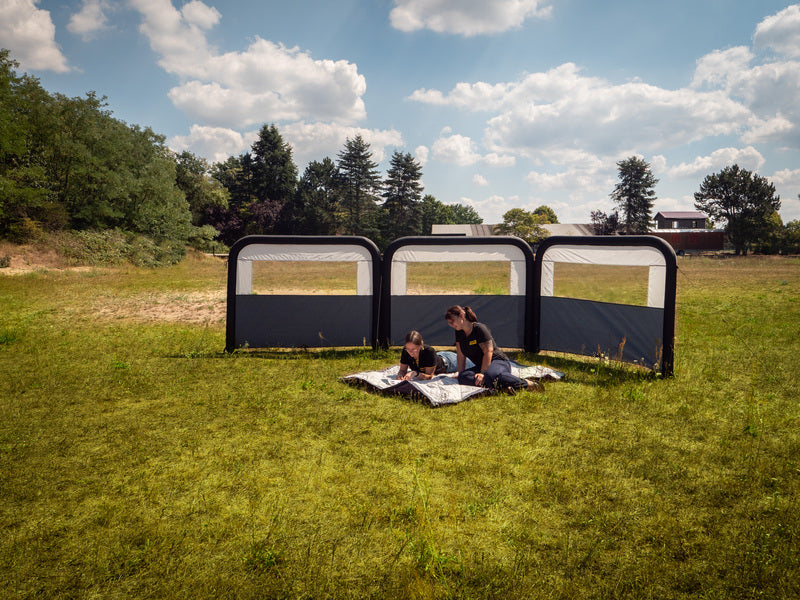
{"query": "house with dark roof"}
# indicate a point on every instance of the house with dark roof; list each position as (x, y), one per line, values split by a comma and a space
(686, 231)
(686, 219)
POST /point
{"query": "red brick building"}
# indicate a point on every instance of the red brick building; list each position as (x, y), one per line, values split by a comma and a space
(687, 231)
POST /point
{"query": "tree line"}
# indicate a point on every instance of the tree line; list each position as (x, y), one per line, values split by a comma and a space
(347, 196)
(744, 203)
(68, 164)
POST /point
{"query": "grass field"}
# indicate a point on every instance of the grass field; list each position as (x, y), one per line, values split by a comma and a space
(138, 460)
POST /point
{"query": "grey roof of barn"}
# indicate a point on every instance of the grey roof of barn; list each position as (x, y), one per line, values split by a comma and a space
(485, 230)
(681, 214)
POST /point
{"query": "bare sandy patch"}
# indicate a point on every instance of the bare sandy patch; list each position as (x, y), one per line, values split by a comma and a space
(188, 307)
(28, 258)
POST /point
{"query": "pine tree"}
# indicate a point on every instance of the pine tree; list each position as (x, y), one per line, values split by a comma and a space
(361, 186)
(403, 193)
(273, 179)
(318, 194)
(634, 194)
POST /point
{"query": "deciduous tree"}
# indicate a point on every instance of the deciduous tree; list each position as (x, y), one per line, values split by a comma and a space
(604, 224)
(523, 224)
(203, 193)
(318, 194)
(745, 201)
(547, 213)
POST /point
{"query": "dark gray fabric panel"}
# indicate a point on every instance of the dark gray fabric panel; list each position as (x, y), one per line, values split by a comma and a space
(296, 321)
(582, 326)
(504, 315)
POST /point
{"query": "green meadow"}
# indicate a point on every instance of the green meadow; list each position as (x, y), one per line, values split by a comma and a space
(139, 460)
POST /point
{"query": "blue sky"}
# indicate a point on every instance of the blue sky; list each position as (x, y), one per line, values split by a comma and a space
(506, 103)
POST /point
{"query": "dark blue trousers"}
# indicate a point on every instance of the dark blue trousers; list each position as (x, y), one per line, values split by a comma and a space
(498, 375)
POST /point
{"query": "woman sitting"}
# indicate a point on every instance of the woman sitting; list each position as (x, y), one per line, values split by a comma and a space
(474, 341)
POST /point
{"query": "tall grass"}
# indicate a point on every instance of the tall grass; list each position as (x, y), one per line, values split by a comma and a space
(138, 460)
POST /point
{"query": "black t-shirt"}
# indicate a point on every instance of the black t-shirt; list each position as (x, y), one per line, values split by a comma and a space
(427, 358)
(470, 344)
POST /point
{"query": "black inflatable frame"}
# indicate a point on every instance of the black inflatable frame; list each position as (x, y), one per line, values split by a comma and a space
(529, 321)
(303, 320)
(425, 313)
(642, 335)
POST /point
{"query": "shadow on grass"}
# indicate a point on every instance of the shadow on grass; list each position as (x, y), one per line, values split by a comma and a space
(293, 353)
(587, 370)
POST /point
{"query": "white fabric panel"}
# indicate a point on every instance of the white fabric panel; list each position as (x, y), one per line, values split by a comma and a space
(304, 252)
(364, 278)
(517, 278)
(244, 277)
(310, 252)
(548, 275)
(459, 253)
(629, 256)
(399, 281)
(656, 287)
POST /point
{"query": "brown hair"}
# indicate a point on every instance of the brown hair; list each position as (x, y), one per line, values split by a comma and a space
(414, 337)
(458, 311)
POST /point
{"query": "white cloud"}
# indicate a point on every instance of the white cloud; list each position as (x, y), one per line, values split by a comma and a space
(769, 91)
(718, 67)
(221, 106)
(474, 97)
(499, 160)
(787, 184)
(314, 141)
(180, 43)
(309, 141)
(658, 164)
(586, 176)
(748, 158)
(421, 154)
(266, 82)
(492, 208)
(780, 32)
(787, 177)
(462, 150)
(480, 180)
(561, 109)
(90, 19)
(200, 15)
(456, 149)
(465, 18)
(29, 34)
(215, 144)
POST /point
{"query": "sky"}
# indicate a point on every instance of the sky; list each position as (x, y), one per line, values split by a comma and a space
(505, 103)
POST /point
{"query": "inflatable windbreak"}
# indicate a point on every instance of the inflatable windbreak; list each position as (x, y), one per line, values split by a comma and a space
(533, 315)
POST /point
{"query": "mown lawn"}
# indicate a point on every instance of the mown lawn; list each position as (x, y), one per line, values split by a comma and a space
(138, 460)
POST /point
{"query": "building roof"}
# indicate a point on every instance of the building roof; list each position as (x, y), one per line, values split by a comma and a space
(486, 230)
(569, 229)
(682, 214)
(468, 230)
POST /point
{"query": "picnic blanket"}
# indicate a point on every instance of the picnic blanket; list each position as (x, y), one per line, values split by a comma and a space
(442, 389)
